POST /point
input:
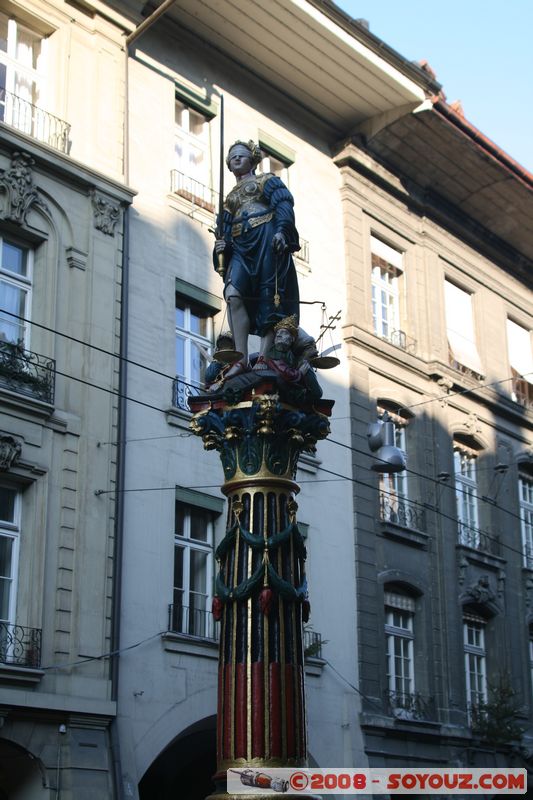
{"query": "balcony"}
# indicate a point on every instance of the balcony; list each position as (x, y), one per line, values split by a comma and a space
(312, 644)
(401, 511)
(404, 706)
(472, 537)
(181, 391)
(195, 622)
(403, 341)
(198, 194)
(27, 373)
(29, 119)
(521, 390)
(20, 646)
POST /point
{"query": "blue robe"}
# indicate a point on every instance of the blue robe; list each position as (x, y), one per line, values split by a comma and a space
(252, 264)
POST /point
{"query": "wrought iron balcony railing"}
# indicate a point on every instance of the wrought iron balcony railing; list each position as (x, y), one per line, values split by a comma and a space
(41, 125)
(403, 341)
(27, 373)
(470, 536)
(403, 705)
(401, 511)
(196, 622)
(312, 644)
(20, 646)
(197, 193)
(181, 391)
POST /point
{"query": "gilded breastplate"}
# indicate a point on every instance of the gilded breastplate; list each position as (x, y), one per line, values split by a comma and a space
(247, 196)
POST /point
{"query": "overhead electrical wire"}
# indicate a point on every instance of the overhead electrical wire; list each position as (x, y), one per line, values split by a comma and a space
(173, 378)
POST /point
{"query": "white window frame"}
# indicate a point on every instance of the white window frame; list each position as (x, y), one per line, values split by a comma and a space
(14, 112)
(203, 625)
(466, 496)
(395, 484)
(525, 500)
(401, 683)
(475, 660)
(10, 529)
(460, 329)
(21, 282)
(521, 363)
(191, 142)
(387, 268)
(192, 341)
(271, 162)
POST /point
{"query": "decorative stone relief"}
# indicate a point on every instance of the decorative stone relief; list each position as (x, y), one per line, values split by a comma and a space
(472, 424)
(501, 584)
(446, 385)
(10, 450)
(76, 258)
(21, 193)
(106, 213)
(529, 593)
(463, 567)
(480, 593)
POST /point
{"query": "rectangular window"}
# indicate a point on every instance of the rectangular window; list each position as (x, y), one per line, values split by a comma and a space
(9, 542)
(466, 497)
(271, 162)
(475, 661)
(22, 73)
(525, 490)
(15, 292)
(191, 176)
(463, 354)
(194, 337)
(386, 271)
(193, 571)
(521, 363)
(400, 665)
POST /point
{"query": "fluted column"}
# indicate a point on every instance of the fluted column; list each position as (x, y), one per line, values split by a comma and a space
(261, 589)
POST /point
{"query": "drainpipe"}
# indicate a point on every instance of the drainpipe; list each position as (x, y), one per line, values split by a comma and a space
(122, 417)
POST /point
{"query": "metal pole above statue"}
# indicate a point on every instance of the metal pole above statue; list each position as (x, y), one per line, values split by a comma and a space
(260, 412)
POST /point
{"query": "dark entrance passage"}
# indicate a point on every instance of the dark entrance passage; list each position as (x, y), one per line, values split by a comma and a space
(185, 768)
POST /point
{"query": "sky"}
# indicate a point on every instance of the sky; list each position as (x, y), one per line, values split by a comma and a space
(481, 52)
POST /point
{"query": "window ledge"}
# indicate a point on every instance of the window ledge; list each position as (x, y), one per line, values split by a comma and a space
(191, 210)
(36, 408)
(178, 417)
(190, 645)
(421, 726)
(481, 557)
(314, 666)
(11, 673)
(309, 463)
(408, 536)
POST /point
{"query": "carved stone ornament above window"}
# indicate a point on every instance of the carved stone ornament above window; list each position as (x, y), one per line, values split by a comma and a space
(481, 594)
(21, 192)
(10, 450)
(106, 213)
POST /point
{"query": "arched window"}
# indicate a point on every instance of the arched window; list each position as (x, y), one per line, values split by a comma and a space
(399, 639)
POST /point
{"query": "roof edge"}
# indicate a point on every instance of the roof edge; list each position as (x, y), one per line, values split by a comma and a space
(377, 45)
(482, 141)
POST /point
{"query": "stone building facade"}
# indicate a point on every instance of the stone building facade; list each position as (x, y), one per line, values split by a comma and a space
(61, 229)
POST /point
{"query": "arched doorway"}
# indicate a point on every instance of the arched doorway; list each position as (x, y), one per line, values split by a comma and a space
(185, 768)
(22, 776)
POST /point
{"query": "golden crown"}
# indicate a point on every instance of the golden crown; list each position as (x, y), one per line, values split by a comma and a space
(288, 324)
